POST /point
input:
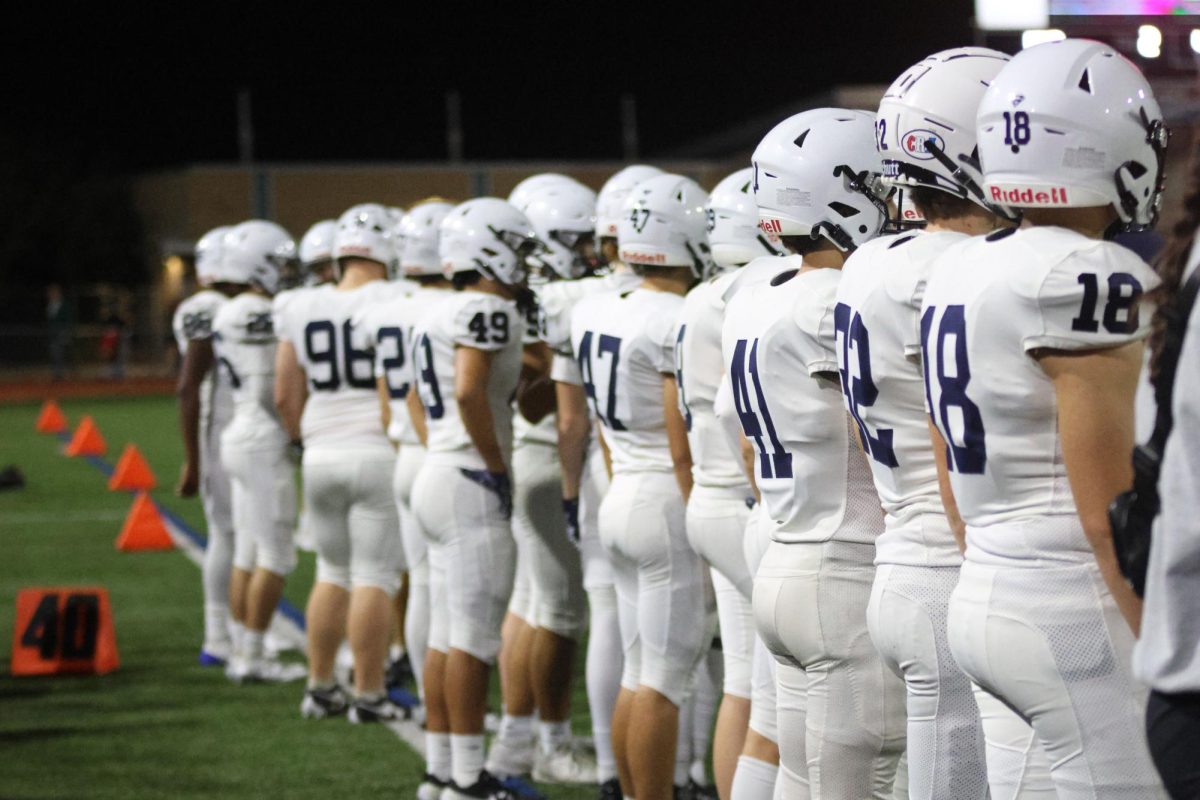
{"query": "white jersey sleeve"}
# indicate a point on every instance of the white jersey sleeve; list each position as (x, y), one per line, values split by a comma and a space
(482, 322)
(193, 321)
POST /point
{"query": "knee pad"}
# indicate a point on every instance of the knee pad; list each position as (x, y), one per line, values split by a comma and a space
(737, 635)
(244, 551)
(478, 640)
(763, 714)
(378, 576)
(338, 575)
(670, 676)
(522, 603)
(278, 557)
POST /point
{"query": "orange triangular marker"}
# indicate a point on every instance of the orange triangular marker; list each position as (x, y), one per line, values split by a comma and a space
(144, 528)
(52, 419)
(132, 472)
(87, 440)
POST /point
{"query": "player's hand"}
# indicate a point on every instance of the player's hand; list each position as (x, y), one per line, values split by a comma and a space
(497, 482)
(571, 515)
(189, 481)
(295, 452)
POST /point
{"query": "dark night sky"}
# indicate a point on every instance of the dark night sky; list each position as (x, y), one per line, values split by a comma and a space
(338, 82)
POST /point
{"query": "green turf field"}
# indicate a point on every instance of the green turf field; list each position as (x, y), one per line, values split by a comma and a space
(161, 726)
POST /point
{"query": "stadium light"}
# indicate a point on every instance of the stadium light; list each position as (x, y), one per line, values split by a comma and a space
(1149, 41)
(1041, 36)
(1194, 40)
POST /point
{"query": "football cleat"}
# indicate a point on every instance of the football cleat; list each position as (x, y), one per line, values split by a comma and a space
(570, 762)
(322, 703)
(399, 673)
(507, 758)
(263, 670)
(212, 657)
(366, 710)
(611, 790)
(698, 791)
(431, 787)
(488, 787)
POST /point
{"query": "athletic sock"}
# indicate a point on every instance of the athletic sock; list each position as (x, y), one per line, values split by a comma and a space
(552, 734)
(216, 626)
(321, 686)
(237, 635)
(467, 758)
(753, 779)
(438, 755)
(395, 652)
(515, 729)
(252, 646)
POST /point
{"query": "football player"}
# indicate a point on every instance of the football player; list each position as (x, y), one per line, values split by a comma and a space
(467, 363)
(926, 138)
(585, 475)
(721, 497)
(316, 253)
(1031, 340)
(840, 710)
(624, 343)
(254, 444)
(326, 393)
(205, 408)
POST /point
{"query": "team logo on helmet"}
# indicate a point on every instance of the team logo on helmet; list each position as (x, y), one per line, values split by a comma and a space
(914, 143)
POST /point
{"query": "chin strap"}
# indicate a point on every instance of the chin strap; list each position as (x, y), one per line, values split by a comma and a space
(967, 181)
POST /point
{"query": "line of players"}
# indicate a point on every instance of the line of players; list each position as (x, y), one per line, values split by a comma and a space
(805, 417)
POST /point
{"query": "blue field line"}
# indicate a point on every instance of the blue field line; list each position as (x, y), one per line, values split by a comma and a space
(288, 610)
(522, 787)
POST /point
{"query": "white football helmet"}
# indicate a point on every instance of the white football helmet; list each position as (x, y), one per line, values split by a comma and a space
(317, 244)
(258, 252)
(564, 216)
(610, 202)
(665, 224)
(733, 232)
(365, 231)
(523, 192)
(817, 173)
(489, 235)
(416, 238)
(209, 266)
(1072, 124)
(926, 122)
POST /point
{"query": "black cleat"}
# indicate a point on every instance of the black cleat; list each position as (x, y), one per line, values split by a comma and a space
(611, 790)
(488, 787)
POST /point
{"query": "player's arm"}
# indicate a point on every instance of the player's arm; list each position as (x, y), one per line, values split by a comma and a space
(949, 504)
(573, 426)
(291, 389)
(385, 406)
(472, 368)
(197, 361)
(1095, 391)
(416, 413)
(536, 395)
(681, 452)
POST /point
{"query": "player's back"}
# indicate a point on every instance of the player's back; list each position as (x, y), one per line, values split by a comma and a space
(342, 410)
(193, 319)
(991, 303)
(466, 319)
(777, 342)
(698, 371)
(624, 344)
(877, 320)
(244, 339)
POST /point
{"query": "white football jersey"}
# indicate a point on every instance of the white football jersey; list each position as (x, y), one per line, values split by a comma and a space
(544, 432)
(387, 327)
(624, 342)
(778, 344)
(343, 407)
(878, 324)
(244, 340)
(698, 370)
(558, 301)
(990, 302)
(466, 319)
(193, 320)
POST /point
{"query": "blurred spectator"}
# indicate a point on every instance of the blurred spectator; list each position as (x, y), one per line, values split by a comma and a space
(1167, 657)
(58, 324)
(114, 344)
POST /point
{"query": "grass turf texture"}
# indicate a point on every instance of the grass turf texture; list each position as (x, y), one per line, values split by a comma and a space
(161, 725)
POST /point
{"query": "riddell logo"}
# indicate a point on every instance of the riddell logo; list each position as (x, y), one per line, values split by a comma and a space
(355, 250)
(1055, 196)
(634, 257)
(771, 227)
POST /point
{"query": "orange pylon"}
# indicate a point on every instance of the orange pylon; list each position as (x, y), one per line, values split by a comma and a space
(132, 472)
(87, 440)
(144, 528)
(51, 419)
